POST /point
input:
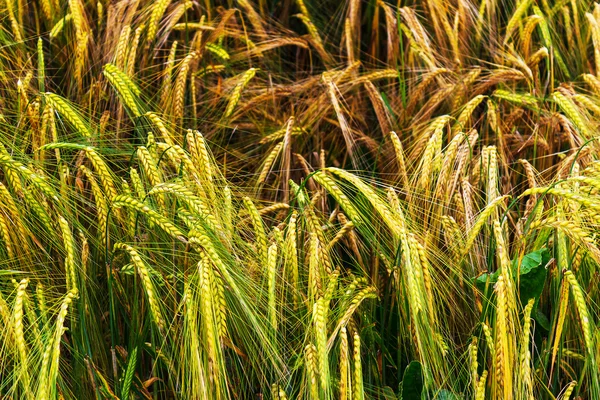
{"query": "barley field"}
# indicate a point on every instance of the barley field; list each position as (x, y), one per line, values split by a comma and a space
(300, 199)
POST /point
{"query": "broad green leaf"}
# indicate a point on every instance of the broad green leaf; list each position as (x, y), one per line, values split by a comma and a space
(412, 382)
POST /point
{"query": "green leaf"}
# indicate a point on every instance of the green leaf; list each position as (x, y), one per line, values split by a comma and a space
(412, 382)
(532, 275)
(541, 319)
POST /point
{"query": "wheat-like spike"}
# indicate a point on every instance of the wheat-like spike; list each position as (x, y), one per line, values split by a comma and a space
(227, 217)
(237, 91)
(537, 57)
(149, 165)
(487, 333)
(41, 302)
(168, 75)
(9, 203)
(196, 204)
(523, 99)
(37, 180)
(20, 335)
(259, 230)
(58, 27)
(525, 353)
(346, 228)
(315, 37)
(480, 222)
(431, 155)
(269, 162)
(423, 274)
(595, 30)
(221, 308)
(291, 256)
(100, 201)
(80, 56)
(310, 360)
(366, 293)
(570, 110)
(568, 391)
(584, 317)
(320, 314)
(208, 313)
(38, 209)
(572, 229)
(160, 125)
(399, 151)
(176, 15)
(515, 19)
(358, 390)
(123, 85)
(49, 123)
(133, 50)
(254, 17)
(138, 186)
(149, 287)
(588, 103)
(468, 109)
(593, 82)
(345, 374)
(218, 51)
(180, 83)
(128, 378)
(566, 194)
(14, 23)
(64, 108)
(157, 12)
(41, 69)
(473, 363)
(10, 172)
(79, 22)
(332, 188)
(8, 242)
(480, 392)
(103, 172)
(70, 259)
(51, 356)
(121, 50)
(443, 190)
(152, 215)
(210, 69)
(271, 279)
(380, 206)
(200, 155)
(502, 347)
(563, 303)
(47, 10)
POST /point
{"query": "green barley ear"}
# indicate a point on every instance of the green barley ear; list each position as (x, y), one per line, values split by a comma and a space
(41, 66)
(236, 94)
(259, 230)
(124, 87)
(158, 9)
(128, 378)
(68, 111)
(148, 285)
(152, 215)
(358, 389)
(272, 281)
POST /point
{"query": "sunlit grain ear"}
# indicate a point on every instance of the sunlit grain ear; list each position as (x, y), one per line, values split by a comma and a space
(300, 199)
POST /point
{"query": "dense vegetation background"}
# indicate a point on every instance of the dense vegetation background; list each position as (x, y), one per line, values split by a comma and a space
(299, 199)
